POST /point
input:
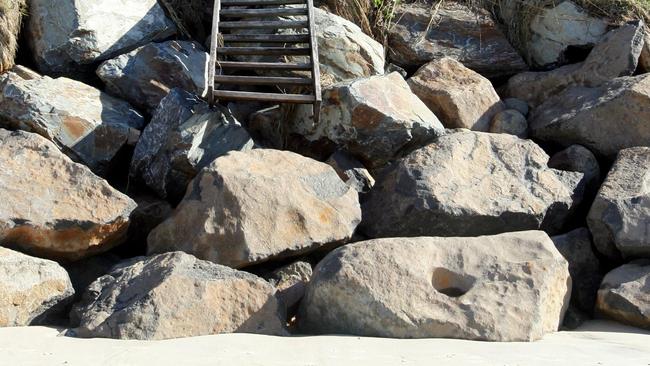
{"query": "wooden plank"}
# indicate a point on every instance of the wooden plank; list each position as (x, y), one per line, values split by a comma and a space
(265, 12)
(260, 2)
(266, 38)
(264, 97)
(275, 24)
(265, 51)
(261, 66)
(213, 52)
(262, 80)
(315, 75)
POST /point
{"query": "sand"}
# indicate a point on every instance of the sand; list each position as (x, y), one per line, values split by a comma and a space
(596, 343)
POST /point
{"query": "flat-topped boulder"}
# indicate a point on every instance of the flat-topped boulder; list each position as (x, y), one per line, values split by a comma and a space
(508, 287)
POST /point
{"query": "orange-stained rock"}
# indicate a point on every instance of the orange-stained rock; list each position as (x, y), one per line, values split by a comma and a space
(460, 97)
(53, 207)
(251, 207)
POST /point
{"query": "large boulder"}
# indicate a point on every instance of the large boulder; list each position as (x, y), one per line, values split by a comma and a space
(460, 97)
(623, 295)
(468, 184)
(509, 287)
(616, 55)
(67, 33)
(554, 31)
(582, 115)
(54, 207)
(146, 75)
(423, 32)
(31, 288)
(374, 127)
(344, 51)
(183, 137)
(619, 218)
(87, 124)
(584, 267)
(175, 295)
(250, 207)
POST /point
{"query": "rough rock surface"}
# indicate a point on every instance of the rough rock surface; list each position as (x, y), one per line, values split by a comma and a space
(175, 295)
(509, 287)
(510, 121)
(619, 218)
(291, 282)
(351, 171)
(583, 116)
(374, 127)
(87, 124)
(53, 207)
(30, 288)
(456, 31)
(623, 295)
(460, 97)
(617, 55)
(577, 158)
(147, 74)
(468, 184)
(554, 30)
(184, 136)
(66, 33)
(584, 267)
(344, 51)
(250, 207)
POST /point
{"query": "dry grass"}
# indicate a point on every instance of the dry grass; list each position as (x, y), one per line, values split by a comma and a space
(11, 14)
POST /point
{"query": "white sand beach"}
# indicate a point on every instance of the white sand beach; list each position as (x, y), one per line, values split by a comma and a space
(596, 343)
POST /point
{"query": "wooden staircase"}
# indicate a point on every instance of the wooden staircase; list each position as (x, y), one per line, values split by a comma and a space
(237, 15)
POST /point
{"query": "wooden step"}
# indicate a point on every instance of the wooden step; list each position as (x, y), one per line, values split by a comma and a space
(261, 66)
(260, 2)
(266, 38)
(263, 97)
(266, 12)
(265, 51)
(262, 80)
(275, 24)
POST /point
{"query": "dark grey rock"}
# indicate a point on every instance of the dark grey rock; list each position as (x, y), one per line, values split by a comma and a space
(184, 136)
(624, 294)
(351, 171)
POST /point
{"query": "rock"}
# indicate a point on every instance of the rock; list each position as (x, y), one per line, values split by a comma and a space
(644, 59)
(584, 267)
(65, 34)
(351, 171)
(510, 121)
(150, 213)
(423, 33)
(577, 158)
(518, 105)
(53, 207)
(175, 295)
(468, 184)
(460, 97)
(555, 30)
(617, 55)
(88, 125)
(583, 116)
(509, 287)
(623, 295)
(619, 218)
(146, 75)
(291, 282)
(31, 289)
(184, 136)
(344, 51)
(88, 270)
(373, 127)
(251, 207)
